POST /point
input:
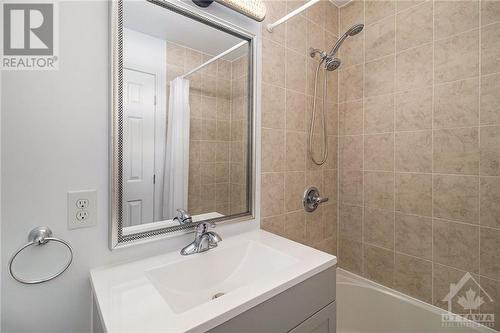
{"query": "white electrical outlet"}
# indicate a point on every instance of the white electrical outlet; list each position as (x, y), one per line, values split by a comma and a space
(82, 209)
(82, 215)
(82, 203)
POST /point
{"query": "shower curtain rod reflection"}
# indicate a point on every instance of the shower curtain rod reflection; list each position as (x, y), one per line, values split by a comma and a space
(237, 46)
(285, 18)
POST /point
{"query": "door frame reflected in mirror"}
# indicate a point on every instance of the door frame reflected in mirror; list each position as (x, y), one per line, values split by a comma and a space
(118, 236)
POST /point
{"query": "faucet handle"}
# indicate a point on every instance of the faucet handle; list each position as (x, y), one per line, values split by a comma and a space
(205, 225)
(319, 199)
(202, 227)
(183, 216)
(312, 199)
(183, 213)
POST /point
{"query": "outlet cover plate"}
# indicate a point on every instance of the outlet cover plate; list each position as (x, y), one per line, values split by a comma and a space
(74, 197)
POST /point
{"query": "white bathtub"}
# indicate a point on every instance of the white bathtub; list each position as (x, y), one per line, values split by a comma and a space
(364, 306)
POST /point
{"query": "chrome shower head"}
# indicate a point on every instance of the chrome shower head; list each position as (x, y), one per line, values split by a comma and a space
(332, 64)
(355, 29)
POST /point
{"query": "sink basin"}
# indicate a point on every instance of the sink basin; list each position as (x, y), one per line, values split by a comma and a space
(188, 283)
(174, 293)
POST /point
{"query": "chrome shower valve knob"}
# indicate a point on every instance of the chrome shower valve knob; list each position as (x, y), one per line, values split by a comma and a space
(312, 199)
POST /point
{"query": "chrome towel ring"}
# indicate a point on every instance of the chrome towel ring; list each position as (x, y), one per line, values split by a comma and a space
(39, 237)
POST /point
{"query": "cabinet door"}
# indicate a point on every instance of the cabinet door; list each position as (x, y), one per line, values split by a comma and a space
(322, 321)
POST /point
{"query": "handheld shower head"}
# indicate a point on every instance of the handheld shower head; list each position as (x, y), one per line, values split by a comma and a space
(330, 63)
(354, 30)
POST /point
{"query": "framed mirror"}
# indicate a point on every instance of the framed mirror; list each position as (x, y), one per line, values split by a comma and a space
(183, 104)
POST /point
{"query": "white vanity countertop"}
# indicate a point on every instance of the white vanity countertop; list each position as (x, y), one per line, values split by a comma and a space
(167, 223)
(171, 293)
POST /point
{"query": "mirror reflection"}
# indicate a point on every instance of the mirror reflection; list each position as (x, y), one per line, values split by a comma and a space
(185, 119)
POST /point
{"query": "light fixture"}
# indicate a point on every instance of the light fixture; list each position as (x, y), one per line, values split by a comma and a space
(255, 9)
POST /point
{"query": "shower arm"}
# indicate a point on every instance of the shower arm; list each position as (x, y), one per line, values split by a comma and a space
(322, 54)
(333, 51)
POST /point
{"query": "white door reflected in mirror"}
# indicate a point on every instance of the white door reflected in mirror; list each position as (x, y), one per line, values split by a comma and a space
(139, 147)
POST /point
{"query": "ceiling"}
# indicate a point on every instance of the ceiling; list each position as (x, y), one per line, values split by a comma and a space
(159, 22)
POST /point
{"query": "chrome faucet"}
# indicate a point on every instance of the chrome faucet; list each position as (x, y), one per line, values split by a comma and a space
(204, 240)
(183, 216)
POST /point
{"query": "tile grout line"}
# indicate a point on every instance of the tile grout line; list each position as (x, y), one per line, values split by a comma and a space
(457, 34)
(231, 116)
(425, 130)
(284, 169)
(306, 136)
(432, 151)
(410, 8)
(479, 141)
(394, 140)
(412, 89)
(363, 150)
(475, 225)
(430, 261)
(338, 148)
(429, 173)
(382, 171)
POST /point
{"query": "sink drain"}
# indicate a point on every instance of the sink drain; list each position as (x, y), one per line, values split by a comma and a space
(217, 295)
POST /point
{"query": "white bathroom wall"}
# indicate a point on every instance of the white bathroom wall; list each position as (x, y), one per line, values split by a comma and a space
(1, 266)
(54, 138)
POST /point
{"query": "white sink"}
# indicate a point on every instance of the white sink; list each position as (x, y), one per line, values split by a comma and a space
(188, 283)
(173, 293)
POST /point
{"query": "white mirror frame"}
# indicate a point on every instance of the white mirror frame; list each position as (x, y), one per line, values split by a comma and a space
(117, 239)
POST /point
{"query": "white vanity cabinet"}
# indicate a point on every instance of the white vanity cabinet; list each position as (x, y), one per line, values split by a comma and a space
(305, 308)
(323, 321)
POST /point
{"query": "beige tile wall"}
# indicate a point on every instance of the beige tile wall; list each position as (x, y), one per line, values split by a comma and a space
(218, 134)
(419, 143)
(238, 176)
(287, 89)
